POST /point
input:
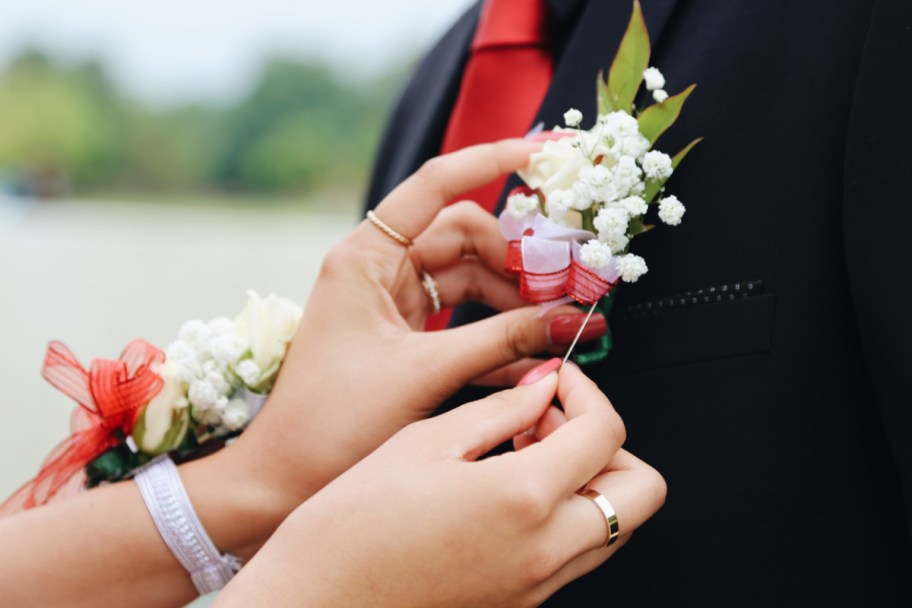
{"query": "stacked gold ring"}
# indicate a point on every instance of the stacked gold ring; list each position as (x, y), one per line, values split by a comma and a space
(384, 227)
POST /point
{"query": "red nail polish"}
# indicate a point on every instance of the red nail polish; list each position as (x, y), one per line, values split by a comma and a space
(537, 373)
(563, 328)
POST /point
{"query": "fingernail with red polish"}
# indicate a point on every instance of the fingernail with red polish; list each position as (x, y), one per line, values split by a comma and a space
(537, 373)
(563, 328)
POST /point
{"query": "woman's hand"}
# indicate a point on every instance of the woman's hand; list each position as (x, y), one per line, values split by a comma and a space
(420, 522)
(360, 368)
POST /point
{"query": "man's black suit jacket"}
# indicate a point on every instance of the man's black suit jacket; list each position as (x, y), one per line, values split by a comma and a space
(764, 364)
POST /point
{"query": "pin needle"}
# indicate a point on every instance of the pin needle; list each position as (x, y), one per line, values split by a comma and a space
(579, 333)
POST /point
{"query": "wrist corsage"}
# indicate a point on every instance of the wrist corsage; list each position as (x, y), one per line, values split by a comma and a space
(203, 389)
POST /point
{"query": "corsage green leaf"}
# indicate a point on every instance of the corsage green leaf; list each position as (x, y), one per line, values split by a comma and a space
(656, 119)
(653, 187)
(626, 73)
(677, 158)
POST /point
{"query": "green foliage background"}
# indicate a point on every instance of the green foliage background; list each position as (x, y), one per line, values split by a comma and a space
(68, 130)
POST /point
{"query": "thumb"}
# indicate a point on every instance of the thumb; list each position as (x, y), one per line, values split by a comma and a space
(470, 351)
(476, 428)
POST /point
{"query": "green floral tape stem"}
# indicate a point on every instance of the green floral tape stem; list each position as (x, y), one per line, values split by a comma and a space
(603, 347)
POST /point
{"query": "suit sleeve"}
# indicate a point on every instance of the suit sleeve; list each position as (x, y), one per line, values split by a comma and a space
(878, 223)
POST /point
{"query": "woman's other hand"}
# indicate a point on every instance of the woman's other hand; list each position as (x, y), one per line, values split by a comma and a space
(421, 522)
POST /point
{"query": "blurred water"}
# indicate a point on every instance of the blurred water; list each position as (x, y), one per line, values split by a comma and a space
(97, 275)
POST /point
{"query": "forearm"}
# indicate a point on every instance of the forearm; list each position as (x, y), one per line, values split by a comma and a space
(102, 547)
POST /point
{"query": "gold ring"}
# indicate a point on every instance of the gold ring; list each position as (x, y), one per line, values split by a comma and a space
(431, 289)
(376, 221)
(611, 519)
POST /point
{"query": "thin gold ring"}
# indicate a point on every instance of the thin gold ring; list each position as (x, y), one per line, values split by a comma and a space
(431, 289)
(611, 519)
(384, 227)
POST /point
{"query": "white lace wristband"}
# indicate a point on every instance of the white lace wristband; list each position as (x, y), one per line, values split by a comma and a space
(181, 529)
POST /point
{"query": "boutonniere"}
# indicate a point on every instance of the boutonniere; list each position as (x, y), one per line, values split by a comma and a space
(589, 192)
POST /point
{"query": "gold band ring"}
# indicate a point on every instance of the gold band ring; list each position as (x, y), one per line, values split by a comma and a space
(376, 221)
(611, 520)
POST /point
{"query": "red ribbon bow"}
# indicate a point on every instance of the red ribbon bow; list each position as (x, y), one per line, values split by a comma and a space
(110, 396)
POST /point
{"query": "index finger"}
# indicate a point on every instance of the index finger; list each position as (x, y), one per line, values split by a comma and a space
(578, 450)
(412, 206)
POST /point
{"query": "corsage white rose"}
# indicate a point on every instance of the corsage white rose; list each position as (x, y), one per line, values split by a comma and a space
(267, 325)
(163, 423)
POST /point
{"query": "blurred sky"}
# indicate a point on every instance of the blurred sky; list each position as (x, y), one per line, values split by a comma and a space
(167, 51)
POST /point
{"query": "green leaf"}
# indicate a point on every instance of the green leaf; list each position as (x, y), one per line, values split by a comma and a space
(655, 119)
(636, 226)
(604, 99)
(112, 465)
(677, 158)
(626, 73)
(652, 189)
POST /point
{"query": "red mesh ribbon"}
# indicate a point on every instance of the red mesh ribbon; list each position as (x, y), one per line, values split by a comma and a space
(543, 287)
(585, 286)
(109, 395)
(514, 257)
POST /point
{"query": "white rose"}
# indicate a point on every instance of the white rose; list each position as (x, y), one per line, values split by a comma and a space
(556, 166)
(163, 423)
(268, 325)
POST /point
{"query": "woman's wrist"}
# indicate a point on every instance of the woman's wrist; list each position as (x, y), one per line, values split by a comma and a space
(239, 506)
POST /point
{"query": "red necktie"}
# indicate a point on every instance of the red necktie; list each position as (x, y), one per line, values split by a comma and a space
(504, 82)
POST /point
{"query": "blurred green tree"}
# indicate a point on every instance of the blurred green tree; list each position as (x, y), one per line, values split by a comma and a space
(301, 128)
(58, 124)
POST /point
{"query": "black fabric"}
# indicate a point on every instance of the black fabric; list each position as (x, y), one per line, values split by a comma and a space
(782, 420)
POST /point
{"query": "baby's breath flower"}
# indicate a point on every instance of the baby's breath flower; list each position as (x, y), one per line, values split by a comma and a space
(659, 95)
(573, 117)
(654, 79)
(657, 165)
(595, 254)
(671, 210)
(520, 205)
(617, 242)
(631, 267)
(249, 372)
(194, 332)
(236, 414)
(634, 205)
(203, 394)
(611, 221)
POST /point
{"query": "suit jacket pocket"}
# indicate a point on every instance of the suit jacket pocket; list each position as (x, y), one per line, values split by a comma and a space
(713, 323)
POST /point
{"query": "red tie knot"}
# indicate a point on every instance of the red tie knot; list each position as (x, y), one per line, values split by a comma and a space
(512, 23)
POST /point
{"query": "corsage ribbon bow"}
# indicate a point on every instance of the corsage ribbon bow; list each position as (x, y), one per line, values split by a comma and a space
(546, 256)
(110, 396)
